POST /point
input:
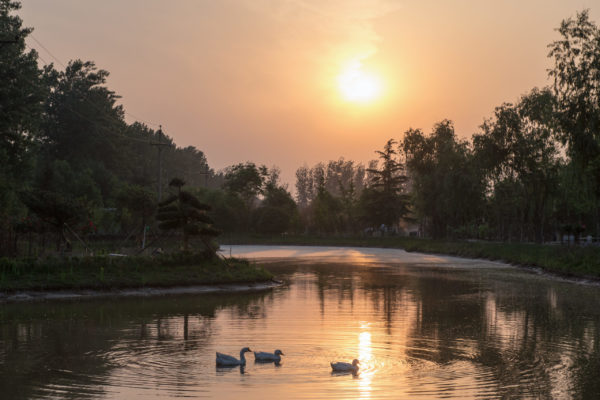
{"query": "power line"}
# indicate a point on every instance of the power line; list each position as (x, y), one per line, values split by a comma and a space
(138, 119)
(95, 123)
(47, 51)
(113, 132)
(86, 99)
(38, 54)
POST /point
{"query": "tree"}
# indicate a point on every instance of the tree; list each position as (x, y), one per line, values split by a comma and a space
(84, 125)
(519, 158)
(183, 211)
(138, 203)
(304, 186)
(343, 180)
(445, 184)
(276, 212)
(384, 201)
(576, 76)
(55, 209)
(23, 90)
(246, 180)
(327, 212)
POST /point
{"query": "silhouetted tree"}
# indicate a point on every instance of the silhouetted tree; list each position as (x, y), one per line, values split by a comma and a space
(519, 157)
(183, 211)
(23, 90)
(576, 75)
(384, 201)
(55, 209)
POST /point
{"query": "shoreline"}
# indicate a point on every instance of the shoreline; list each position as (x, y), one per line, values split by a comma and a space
(52, 295)
(565, 276)
(574, 263)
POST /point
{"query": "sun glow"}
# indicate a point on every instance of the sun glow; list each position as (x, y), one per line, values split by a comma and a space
(357, 85)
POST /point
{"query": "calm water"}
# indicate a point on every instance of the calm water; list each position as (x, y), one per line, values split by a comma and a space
(422, 327)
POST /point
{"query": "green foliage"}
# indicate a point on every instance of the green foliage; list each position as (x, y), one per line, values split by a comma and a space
(65, 145)
(83, 119)
(228, 210)
(385, 201)
(55, 209)
(245, 180)
(138, 202)
(576, 75)
(446, 185)
(344, 181)
(255, 200)
(23, 90)
(327, 210)
(102, 272)
(183, 211)
(277, 211)
(518, 155)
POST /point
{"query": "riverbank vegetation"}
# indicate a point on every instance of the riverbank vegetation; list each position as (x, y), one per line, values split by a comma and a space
(118, 272)
(573, 261)
(76, 178)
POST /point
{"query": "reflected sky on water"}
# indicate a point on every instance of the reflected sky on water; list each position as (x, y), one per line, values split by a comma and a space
(422, 326)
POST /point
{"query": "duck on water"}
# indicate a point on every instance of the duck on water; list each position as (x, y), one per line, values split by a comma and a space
(224, 360)
(345, 367)
(261, 356)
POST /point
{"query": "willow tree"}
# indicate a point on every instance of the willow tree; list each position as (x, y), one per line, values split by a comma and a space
(576, 75)
(184, 212)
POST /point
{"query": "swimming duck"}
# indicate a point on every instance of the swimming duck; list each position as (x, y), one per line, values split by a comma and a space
(262, 356)
(345, 367)
(224, 360)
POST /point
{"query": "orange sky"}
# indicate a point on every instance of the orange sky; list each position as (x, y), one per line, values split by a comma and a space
(257, 79)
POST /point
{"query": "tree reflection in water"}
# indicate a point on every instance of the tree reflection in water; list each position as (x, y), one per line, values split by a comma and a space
(528, 340)
(425, 330)
(65, 349)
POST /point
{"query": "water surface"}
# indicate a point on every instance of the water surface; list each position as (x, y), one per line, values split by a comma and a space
(422, 326)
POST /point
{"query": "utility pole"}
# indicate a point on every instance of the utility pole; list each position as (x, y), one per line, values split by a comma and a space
(159, 145)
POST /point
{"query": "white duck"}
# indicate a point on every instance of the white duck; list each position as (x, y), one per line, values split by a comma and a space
(224, 360)
(345, 367)
(262, 356)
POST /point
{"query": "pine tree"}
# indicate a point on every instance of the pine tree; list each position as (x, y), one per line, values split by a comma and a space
(183, 211)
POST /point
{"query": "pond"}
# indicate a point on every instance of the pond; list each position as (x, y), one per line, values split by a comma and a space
(422, 326)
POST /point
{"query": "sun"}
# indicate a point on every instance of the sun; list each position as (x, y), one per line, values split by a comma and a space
(357, 85)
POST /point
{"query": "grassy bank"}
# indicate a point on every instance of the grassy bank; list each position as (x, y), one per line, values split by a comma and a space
(572, 261)
(106, 272)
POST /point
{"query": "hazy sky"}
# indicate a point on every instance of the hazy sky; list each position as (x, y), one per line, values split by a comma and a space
(258, 79)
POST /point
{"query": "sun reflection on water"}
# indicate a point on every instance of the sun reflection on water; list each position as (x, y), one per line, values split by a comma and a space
(365, 355)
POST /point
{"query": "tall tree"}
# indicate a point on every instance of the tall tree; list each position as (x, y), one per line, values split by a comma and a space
(576, 75)
(277, 211)
(246, 180)
(84, 124)
(23, 90)
(304, 186)
(384, 201)
(519, 156)
(444, 182)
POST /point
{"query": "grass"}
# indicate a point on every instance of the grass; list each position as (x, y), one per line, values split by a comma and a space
(105, 272)
(185, 269)
(566, 260)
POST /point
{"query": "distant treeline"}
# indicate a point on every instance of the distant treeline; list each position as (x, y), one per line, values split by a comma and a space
(531, 172)
(71, 165)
